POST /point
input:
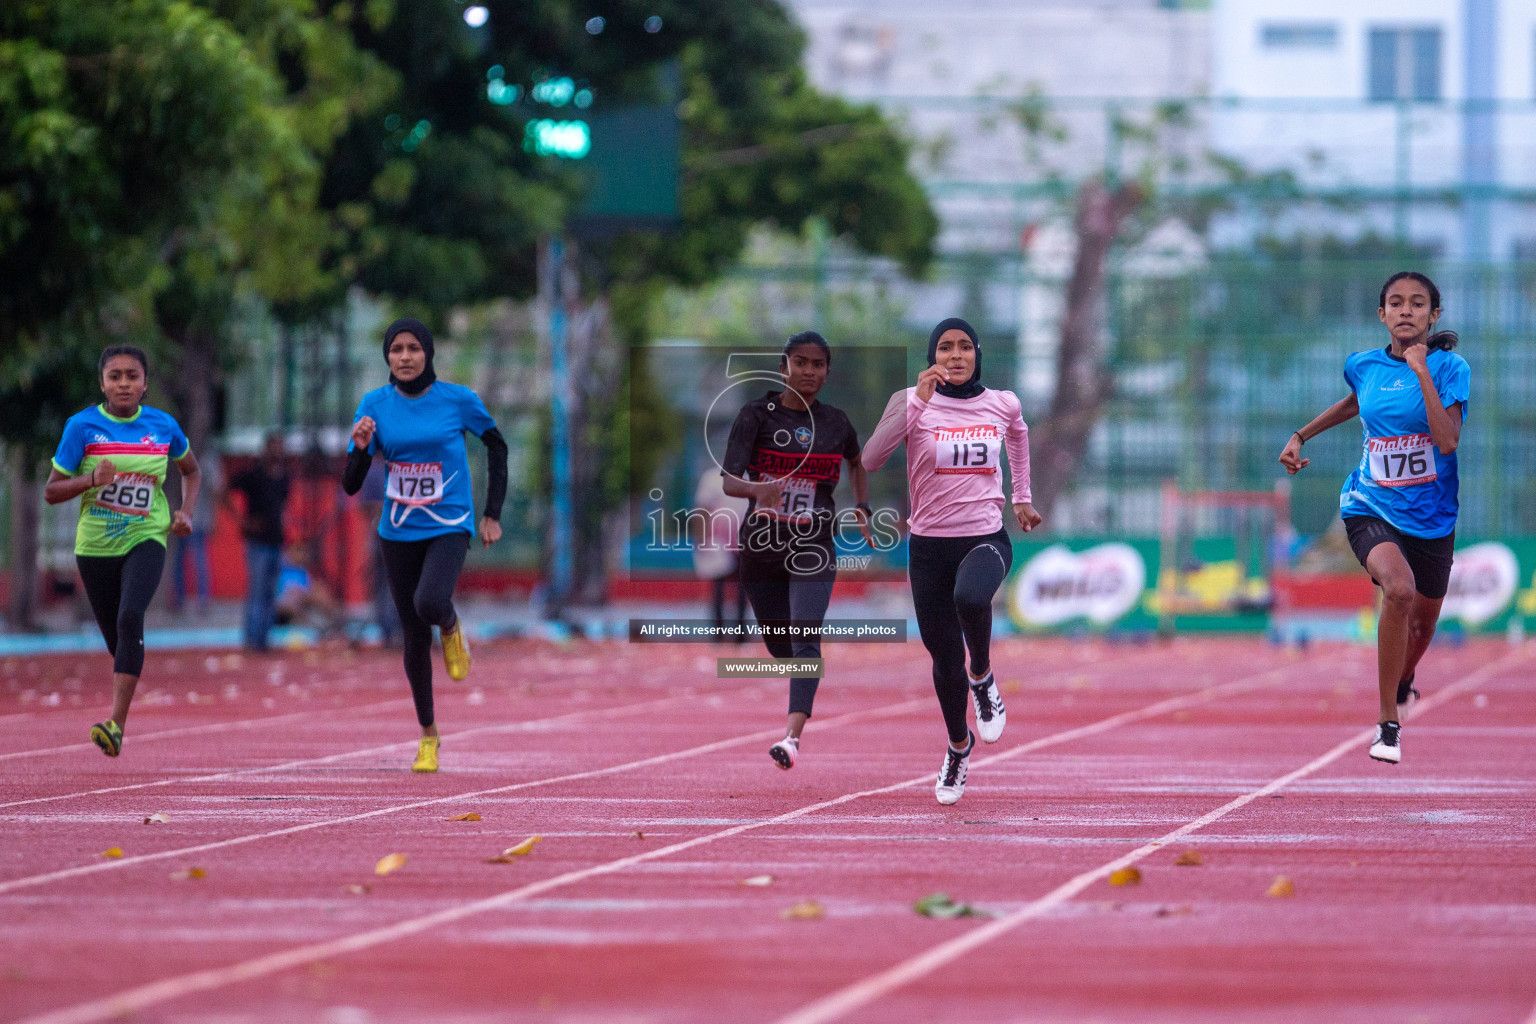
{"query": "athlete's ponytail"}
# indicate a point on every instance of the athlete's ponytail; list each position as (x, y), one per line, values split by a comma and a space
(1445, 341)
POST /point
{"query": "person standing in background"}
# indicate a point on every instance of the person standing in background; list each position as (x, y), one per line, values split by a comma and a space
(265, 486)
(371, 498)
(195, 544)
(715, 548)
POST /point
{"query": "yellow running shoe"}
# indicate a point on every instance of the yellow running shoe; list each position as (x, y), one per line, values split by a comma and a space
(456, 652)
(426, 754)
(108, 736)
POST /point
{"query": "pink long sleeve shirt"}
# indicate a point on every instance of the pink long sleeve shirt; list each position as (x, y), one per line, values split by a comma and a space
(954, 464)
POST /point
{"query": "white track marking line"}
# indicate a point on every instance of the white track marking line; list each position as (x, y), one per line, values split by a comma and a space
(528, 725)
(628, 766)
(861, 993)
(371, 750)
(145, 996)
(244, 723)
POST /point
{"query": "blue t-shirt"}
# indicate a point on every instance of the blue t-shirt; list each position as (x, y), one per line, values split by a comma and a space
(422, 438)
(1402, 477)
(131, 509)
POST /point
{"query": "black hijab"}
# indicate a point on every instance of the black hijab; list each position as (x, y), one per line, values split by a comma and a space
(424, 379)
(972, 387)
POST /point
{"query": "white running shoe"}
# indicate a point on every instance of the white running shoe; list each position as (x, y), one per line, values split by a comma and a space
(951, 784)
(784, 751)
(991, 716)
(1388, 746)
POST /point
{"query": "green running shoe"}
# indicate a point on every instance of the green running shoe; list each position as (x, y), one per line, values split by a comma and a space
(108, 736)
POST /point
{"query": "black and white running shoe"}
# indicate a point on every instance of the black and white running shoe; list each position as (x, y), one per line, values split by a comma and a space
(991, 716)
(784, 752)
(1406, 694)
(1388, 746)
(951, 784)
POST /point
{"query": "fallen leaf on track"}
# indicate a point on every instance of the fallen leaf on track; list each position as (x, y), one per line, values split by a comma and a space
(1175, 911)
(638, 835)
(189, 873)
(359, 890)
(809, 910)
(758, 880)
(1190, 859)
(1126, 876)
(939, 905)
(1281, 887)
(114, 852)
(511, 853)
(159, 818)
(471, 816)
(393, 862)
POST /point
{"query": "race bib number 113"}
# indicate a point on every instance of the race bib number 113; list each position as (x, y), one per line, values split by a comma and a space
(967, 449)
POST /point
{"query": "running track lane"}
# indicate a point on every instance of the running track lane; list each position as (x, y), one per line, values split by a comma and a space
(153, 994)
(851, 998)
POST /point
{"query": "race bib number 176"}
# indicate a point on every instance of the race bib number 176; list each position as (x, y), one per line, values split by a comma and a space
(1401, 461)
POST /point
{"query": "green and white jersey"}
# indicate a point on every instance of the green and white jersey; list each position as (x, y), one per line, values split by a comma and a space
(131, 509)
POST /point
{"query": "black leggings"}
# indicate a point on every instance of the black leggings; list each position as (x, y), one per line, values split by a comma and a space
(120, 588)
(785, 598)
(953, 582)
(422, 575)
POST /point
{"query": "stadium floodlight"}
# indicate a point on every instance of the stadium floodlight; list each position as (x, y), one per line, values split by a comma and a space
(476, 16)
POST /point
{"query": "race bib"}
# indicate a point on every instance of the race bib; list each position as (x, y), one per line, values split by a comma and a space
(415, 483)
(130, 494)
(967, 449)
(1401, 461)
(797, 500)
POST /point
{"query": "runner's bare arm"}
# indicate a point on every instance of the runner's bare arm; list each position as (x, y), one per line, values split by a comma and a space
(1342, 411)
(191, 484)
(1444, 425)
(62, 487)
(858, 476)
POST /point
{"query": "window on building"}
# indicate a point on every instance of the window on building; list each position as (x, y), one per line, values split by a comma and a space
(1299, 35)
(1405, 64)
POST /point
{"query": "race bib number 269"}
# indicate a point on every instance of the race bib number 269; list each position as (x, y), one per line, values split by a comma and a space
(1402, 461)
(131, 494)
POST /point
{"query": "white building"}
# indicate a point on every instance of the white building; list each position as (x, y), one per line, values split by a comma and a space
(1391, 101)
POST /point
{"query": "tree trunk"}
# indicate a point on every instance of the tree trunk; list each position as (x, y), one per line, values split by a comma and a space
(595, 385)
(26, 518)
(1083, 381)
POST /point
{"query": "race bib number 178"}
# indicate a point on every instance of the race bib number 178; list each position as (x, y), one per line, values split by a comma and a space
(415, 483)
(1401, 461)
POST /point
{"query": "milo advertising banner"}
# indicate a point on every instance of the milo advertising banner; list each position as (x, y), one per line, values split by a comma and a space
(1097, 584)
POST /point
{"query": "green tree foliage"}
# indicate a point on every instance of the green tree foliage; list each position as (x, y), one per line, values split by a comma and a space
(119, 121)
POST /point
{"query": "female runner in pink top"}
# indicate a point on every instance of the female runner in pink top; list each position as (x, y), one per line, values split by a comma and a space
(959, 553)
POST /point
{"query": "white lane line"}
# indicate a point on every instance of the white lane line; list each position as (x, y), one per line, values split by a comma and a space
(405, 745)
(244, 723)
(707, 748)
(852, 997)
(145, 996)
(529, 725)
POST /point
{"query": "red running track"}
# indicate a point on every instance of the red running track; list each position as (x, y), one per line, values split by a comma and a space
(285, 781)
